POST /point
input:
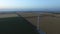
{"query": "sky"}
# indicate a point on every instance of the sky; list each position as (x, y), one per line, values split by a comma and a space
(28, 4)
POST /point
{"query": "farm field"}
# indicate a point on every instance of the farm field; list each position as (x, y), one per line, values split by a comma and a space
(49, 23)
(13, 24)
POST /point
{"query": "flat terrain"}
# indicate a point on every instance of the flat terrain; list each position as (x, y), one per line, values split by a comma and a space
(49, 23)
(12, 24)
(8, 15)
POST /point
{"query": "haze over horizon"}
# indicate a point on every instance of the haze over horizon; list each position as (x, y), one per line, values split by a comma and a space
(12, 5)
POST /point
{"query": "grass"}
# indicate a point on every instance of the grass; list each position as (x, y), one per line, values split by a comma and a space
(16, 25)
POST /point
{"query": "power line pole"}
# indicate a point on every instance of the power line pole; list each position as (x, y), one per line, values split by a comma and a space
(38, 26)
(38, 22)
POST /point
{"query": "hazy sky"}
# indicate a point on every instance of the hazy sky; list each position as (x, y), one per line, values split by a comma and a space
(29, 4)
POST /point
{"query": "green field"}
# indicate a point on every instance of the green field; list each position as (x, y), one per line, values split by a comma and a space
(16, 25)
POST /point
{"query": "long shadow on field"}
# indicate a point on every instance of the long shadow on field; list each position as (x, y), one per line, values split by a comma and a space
(16, 25)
